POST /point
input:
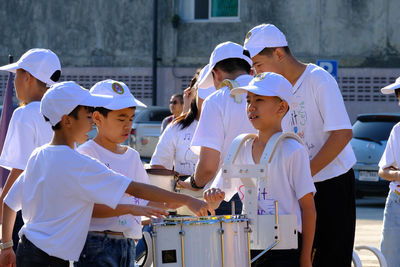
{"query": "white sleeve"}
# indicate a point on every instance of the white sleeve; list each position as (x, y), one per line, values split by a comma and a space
(165, 152)
(331, 106)
(389, 155)
(13, 198)
(100, 184)
(19, 142)
(210, 129)
(300, 173)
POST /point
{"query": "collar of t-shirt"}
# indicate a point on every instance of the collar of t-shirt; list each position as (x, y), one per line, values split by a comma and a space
(107, 152)
(300, 80)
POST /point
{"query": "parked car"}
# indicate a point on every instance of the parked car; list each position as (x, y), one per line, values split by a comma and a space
(146, 129)
(370, 135)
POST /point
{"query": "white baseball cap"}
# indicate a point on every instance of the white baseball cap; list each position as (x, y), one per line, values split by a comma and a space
(43, 64)
(389, 89)
(122, 96)
(268, 84)
(64, 97)
(203, 93)
(222, 51)
(262, 36)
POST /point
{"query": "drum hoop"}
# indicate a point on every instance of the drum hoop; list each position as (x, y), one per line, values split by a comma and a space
(200, 220)
(163, 172)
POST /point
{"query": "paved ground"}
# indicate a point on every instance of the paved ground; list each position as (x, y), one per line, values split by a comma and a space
(369, 227)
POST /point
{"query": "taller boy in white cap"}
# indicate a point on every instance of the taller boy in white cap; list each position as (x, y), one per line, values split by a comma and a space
(223, 116)
(35, 71)
(319, 117)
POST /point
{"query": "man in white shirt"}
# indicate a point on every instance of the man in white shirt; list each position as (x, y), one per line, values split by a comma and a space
(36, 70)
(319, 117)
(223, 116)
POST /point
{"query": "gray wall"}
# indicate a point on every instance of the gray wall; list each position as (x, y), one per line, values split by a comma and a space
(105, 33)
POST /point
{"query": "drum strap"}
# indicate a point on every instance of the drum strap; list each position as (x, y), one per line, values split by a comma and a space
(231, 84)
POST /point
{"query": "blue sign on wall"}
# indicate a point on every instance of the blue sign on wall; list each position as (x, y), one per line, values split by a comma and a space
(330, 66)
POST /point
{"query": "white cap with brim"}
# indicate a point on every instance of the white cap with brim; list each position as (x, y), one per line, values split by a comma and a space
(222, 51)
(268, 84)
(203, 93)
(62, 98)
(389, 89)
(43, 64)
(262, 36)
(122, 96)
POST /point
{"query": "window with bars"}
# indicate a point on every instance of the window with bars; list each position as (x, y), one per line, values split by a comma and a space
(209, 10)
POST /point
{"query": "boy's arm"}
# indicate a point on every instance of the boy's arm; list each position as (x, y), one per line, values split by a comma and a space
(336, 142)
(390, 173)
(153, 193)
(12, 177)
(308, 215)
(7, 256)
(103, 211)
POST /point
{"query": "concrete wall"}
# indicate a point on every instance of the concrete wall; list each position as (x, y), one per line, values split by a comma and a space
(105, 33)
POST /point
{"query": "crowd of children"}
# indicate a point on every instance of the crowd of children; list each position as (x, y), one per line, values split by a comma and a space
(84, 203)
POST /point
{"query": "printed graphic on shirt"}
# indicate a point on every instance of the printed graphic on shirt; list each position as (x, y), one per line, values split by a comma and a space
(266, 203)
(298, 121)
(190, 159)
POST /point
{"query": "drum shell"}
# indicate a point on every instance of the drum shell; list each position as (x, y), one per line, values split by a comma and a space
(202, 244)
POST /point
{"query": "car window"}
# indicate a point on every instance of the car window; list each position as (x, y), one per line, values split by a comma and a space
(375, 130)
(155, 115)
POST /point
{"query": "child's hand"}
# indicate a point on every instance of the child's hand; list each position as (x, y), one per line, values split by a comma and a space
(214, 197)
(7, 258)
(199, 207)
(147, 211)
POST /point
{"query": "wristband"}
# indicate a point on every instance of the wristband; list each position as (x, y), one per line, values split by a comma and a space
(193, 183)
(6, 245)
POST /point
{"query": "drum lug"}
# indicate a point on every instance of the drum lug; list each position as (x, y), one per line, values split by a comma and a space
(181, 232)
(248, 230)
(221, 231)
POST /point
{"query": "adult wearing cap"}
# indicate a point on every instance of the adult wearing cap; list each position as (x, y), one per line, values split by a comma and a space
(223, 116)
(389, 170)
(320, 118)
(35, 71)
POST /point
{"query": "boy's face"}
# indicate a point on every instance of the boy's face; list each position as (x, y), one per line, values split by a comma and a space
(265, 111)
(21, 84)
(263, 63)
(116, 126)
(82, 125)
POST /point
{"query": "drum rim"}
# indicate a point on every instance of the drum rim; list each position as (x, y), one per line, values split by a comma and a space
(163, 172)
(189, 220)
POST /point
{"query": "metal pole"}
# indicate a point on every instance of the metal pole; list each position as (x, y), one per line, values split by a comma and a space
(154, 64)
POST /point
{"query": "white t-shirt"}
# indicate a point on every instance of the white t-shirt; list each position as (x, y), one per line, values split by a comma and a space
(391, 156)
(130, 165)
(56, 193)
(222, 119)
(290, 179)
(173, 149)
(317, 110)
(27, 130)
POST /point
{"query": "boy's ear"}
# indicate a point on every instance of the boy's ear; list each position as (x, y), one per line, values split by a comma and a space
(66, 121)
(280, 53)
(283, 108)
(97, 117)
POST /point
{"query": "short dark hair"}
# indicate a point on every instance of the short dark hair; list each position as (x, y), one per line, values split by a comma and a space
(73, 114)
(105, 111)
(267, 51)
(230, 65)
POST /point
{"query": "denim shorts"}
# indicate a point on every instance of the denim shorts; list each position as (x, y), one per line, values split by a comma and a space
(105, 250)
(391, 230)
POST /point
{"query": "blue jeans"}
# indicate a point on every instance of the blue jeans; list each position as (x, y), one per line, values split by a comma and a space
(106, 250)
(28, 255)
(391, 230)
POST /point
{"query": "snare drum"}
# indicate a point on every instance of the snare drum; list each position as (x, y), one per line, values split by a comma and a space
(201, 241)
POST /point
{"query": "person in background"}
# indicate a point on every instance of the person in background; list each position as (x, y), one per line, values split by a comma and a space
(176, 107)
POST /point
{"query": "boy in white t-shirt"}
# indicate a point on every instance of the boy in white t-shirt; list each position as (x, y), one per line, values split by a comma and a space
(319, 117)
(115, 230)
(223, 116)
(290, 183)
(59, 186)
(36, 70)
(389, 170)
